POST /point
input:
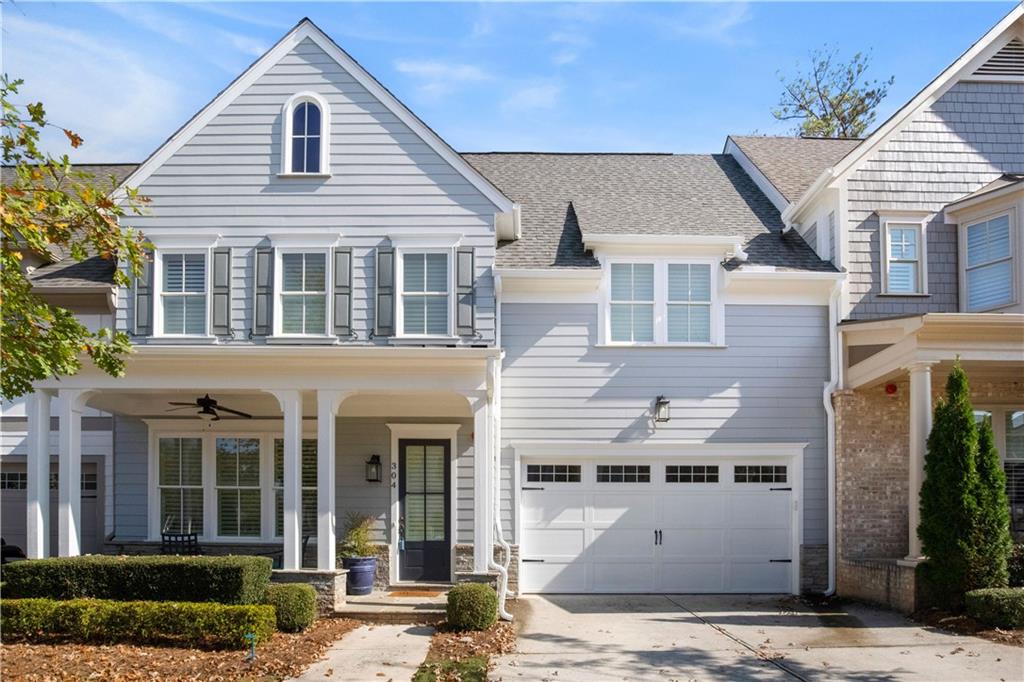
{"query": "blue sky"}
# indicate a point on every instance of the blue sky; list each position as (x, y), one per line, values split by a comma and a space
(486, 76)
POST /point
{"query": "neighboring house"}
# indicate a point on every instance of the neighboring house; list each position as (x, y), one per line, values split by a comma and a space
(925, 216)
(622, 365)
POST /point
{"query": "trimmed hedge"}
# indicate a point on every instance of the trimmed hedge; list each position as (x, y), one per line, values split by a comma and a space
(138, 622)
(294, 604)
(472, 606)
(1015, 564)
(1002, 607)
(226, 579)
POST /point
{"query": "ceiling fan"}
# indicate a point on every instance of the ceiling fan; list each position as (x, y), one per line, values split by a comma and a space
(209, 410)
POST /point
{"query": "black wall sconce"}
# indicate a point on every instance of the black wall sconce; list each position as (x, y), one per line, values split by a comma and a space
(661, 409)
(373, 469)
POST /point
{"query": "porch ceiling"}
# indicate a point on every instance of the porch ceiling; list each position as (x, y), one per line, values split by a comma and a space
(987, 345)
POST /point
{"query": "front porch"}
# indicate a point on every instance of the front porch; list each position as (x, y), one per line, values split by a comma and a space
(894, 372)
(289, 476)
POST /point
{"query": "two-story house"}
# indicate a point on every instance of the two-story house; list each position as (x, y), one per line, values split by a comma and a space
(597, 372)
(925, 218)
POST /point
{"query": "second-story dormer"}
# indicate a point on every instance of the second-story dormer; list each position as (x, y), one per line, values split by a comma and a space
(307, 205)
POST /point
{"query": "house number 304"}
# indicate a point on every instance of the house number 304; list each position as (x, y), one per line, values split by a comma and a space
(394, 475)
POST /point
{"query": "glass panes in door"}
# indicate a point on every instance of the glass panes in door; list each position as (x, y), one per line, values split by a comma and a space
(425, 493)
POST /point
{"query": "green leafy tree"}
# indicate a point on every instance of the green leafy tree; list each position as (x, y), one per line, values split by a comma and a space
(833, 99)
(992, 541)
(949, 493)
(48, 207)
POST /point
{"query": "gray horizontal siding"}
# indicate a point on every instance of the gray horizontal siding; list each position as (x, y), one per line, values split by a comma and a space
(385, 179)
(131, 478)
(766, 386)
(966, 139)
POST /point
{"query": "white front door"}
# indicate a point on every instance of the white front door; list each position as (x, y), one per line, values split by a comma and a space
(631, 525)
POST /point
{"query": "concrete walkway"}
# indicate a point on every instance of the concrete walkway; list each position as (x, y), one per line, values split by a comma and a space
(564, 638)
(377, 653)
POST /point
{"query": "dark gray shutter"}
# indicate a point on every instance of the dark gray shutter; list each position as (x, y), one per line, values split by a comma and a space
(263, 295)
(464, 296)
(143, 292)
(221, 292)
(385, 297)
(343, 292)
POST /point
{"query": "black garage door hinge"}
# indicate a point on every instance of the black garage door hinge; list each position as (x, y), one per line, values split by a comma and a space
(780, 561)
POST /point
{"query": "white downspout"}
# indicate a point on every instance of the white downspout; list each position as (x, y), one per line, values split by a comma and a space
(835, 367)
(494, 367)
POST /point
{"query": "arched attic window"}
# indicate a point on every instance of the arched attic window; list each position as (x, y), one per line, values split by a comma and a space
(306, 143)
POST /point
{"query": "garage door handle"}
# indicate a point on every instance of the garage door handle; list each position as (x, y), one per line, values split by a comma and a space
(533, 488)
(779, 488)
(780, 561)
(532, 561)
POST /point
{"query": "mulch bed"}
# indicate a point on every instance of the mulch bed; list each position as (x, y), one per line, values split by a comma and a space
(962, 624)
(285, 655)
(447, 645)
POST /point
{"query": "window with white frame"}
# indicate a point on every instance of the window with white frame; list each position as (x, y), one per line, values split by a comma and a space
(308, 511)
(631, 304)
(425, 294)
(238, 487)
(180, 483)
(662, 302)
(304, 293)
(306, 139)
(904, 257)
(689, 303)
(183, 294)
(1008, 432)
(988, 266)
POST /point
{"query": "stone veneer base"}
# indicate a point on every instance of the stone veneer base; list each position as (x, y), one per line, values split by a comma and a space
(329, 586)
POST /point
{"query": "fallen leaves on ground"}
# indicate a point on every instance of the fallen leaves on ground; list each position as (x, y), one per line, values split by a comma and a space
(447, 645)
(962, 624)
(285, 655)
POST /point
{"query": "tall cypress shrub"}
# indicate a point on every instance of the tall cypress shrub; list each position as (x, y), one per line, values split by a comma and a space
(992, 541)
(949, 505)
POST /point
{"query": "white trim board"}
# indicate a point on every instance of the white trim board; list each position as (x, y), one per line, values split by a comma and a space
(306, 29)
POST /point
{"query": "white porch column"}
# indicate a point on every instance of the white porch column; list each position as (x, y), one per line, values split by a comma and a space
(69, 509)
(482, 522)
(920, 426)
(327, 404)
(291, 407)
(37, 407)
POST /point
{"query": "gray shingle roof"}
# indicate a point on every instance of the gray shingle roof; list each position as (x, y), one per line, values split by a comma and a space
(792, 164)
(71, 274)
(635, 194)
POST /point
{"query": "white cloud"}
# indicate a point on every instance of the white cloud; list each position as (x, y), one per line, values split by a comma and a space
(713, 22)
(106, 94)
(438, 77)
(533, 97)
(571, 43)
(245, 44)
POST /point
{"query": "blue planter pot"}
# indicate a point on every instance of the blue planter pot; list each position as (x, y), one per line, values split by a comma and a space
(361, 571)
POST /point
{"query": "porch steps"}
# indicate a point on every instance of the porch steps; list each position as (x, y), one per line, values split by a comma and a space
(405, 604)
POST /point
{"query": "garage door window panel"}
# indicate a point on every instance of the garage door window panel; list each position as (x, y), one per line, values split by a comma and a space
(760, 473)
(623, 473)
(691, 473)
(554, 473)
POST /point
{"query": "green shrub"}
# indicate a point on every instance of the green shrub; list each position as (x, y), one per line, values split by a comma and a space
(991, 540)
(294, 604)
(357, 536)
(472, 606)
(227, 579)
(1015, 565)
(1002, 607)
(948, 502)
(138, 622)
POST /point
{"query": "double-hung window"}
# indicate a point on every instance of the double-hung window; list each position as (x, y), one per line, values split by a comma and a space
(180, 483)
(632, 303)
(238, 487)
(183, 294)
(304, 293)
(662, 302)
(689, 303)
(904, 261)
(308, 503)
(989, 266)
(425, 294)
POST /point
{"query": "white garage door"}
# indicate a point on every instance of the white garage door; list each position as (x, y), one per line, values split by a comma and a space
(656, 526)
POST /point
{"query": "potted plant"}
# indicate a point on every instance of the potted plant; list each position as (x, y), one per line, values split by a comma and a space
(358, 554)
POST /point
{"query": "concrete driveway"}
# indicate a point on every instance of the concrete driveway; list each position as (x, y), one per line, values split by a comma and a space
(633, 637)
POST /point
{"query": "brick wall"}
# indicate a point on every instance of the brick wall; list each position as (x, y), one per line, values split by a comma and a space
(813, 568)
(464, 565)
(879, 581)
